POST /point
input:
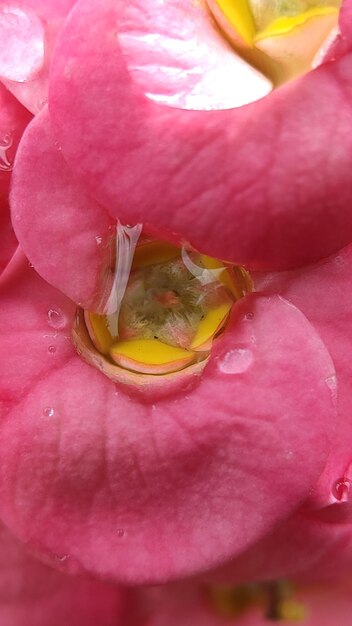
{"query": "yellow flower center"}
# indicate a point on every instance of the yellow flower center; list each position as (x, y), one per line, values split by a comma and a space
(283, 38)
(165, 310)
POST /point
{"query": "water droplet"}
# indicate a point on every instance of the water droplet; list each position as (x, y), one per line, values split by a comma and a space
(235, 361)
(99, 241)
(56, 319)
(249, 316)
(48, 411)
(52, 349)
(62, 557)
(30, 264)
(331, 382)
(5, 143)
(120, 532)
(41, 103)
(341, 489)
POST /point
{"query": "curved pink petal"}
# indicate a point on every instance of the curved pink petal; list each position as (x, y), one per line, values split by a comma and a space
(342, 43)
(13, 120)
(249, 185)
(137, 491)
(22, 52)
(190, 605)
(30, 28)
(63, 231)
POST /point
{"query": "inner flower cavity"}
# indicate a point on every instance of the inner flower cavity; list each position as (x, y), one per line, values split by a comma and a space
(282, 38)
(166, 307)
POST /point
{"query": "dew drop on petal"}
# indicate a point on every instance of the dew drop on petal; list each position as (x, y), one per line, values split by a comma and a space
(249, 316)
(52, 349)
(99, 241)
(48, 411)
(341, 489)
(235, 361)
(6, 142)
(56, 319)
(120, 532)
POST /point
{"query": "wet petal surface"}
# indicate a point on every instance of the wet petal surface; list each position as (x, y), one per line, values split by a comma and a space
(272, 170)
(140, 492)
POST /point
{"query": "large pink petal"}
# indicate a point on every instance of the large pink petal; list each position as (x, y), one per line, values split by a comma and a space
(35, 595)
(268, 184)
(139, 491)
(63, 231)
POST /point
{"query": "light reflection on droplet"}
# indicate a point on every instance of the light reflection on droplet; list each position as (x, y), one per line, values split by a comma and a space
(48, 411)
(235, 361)
(341, 489)
(55, 318)
(52, 349)
(99, 241)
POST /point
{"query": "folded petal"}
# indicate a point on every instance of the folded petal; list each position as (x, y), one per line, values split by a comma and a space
(136, 491)
(248, 185)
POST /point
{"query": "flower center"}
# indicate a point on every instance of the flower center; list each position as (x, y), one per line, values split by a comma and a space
(283, 38)
(166, 307)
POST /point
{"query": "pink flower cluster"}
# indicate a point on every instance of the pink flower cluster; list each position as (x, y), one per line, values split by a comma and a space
(142, 112)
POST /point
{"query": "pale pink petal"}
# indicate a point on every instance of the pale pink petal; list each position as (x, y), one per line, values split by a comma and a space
(31, 28)
(141, 492)
(63, 231)
(13, 120)
(179, 58)
(248, 185)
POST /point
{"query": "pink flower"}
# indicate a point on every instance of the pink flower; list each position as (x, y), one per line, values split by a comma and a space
(148, 488)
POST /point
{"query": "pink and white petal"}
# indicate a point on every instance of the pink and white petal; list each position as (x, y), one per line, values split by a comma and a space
(30, 29)
(178, 58)
(249, 185)
(142, 492)
(34, 594)
(62, 232)
(188, 605)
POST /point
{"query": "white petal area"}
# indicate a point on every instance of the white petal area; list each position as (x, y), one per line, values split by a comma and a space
(22, 43)
(178, 56)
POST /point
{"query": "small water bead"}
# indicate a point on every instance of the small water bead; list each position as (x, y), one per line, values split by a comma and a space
(99, 241)
(52, 349)
(56, 319)
(341, 489)
(249, 316)
(48, 411)
(120, 532)
(235, 361)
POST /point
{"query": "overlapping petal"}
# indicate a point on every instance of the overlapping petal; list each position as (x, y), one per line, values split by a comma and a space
(139, 492)
(249, 185)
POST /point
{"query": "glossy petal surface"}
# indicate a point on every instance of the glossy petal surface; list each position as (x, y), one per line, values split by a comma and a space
(272, 170)
(142, 492)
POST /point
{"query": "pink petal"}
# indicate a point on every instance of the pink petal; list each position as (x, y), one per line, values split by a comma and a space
(13, 119)
(248, 185)
(31, 30)
(178, 57)
(22, 52)
(61, 232)
(33, 594)
(141, 492)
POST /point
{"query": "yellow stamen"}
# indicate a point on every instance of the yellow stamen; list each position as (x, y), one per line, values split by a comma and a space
(150, 356)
